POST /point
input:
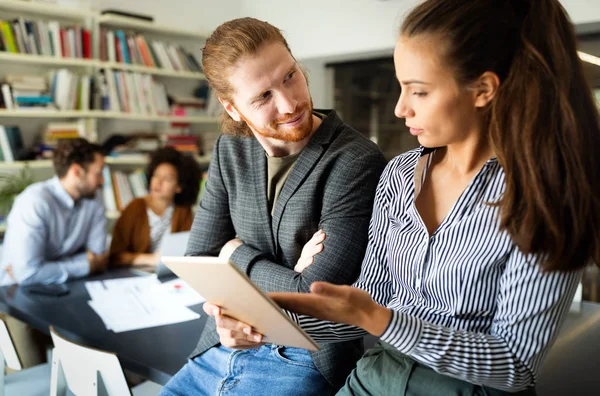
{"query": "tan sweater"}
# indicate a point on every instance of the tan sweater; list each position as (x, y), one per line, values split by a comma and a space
(131, 235)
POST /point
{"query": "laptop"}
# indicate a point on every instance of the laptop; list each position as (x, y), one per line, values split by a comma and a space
(173, 244)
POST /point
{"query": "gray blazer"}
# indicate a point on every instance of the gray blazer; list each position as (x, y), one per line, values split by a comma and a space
(331, 186)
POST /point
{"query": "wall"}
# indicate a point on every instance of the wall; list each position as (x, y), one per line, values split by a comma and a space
(326, 28)
(324, 31)
(203, 15)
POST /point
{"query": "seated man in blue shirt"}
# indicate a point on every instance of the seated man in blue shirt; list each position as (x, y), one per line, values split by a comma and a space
(56, 228)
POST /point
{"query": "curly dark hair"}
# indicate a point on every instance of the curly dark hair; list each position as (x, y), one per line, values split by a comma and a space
(188, 173)
(74, 151)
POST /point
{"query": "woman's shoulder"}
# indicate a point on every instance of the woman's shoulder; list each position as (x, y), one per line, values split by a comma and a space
(403, 164)
(137, 205)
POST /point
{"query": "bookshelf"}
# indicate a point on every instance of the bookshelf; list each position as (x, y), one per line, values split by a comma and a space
(53, 61)
(116, 21)
(152, 70)
(96, 121)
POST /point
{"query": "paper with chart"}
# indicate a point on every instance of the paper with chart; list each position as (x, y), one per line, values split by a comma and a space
(136, 303)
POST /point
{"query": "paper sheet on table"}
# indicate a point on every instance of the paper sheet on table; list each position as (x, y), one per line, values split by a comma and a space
(97, 289)
(182, 292)
(125, 306)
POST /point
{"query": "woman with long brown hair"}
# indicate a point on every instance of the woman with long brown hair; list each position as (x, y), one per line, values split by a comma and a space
(478, 238)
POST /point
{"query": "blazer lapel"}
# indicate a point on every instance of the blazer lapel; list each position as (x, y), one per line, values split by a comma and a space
(304, 165)
(259, 171)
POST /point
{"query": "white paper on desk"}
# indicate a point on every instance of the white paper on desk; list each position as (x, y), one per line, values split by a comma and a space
(97, 289)
(182, 292)
(138, 307)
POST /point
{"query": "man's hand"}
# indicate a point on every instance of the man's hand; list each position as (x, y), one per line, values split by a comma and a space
(310, 250)
(232, 332)
(228, 249)
(98, 262)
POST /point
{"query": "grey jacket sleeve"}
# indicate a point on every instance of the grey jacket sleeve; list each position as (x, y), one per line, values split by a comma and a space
(346, 211)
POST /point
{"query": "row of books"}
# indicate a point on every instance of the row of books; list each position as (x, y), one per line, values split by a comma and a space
(46, 38)
(135, 49)
(132, 93)
(120, 91)
(11, 143)
(120, 188)
(56, 131)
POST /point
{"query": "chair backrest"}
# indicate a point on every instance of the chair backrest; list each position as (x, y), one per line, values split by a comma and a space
(8, 348)
(87, 370)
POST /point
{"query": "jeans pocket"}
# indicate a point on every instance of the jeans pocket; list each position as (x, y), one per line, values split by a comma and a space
(295, 356)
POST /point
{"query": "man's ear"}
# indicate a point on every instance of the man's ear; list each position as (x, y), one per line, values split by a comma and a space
(486, 88)
(230, 109)
(76, 171)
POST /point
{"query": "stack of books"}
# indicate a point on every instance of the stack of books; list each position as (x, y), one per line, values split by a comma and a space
(47, 38)
(182, 143)
(20, 91)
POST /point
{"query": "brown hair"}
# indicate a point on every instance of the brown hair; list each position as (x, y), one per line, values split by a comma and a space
(74, 151)
(543, 123)
(223, 50)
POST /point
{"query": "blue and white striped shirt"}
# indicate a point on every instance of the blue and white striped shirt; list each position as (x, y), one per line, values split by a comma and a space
(465, 301)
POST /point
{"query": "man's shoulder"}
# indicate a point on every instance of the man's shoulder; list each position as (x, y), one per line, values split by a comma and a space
(349, 145)
(36, 193)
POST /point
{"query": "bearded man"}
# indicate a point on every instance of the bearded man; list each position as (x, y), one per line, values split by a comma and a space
(283, 175)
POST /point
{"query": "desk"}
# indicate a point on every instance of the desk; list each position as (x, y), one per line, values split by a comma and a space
(155, 353)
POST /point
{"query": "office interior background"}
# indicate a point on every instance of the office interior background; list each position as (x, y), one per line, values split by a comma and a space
(345, 45)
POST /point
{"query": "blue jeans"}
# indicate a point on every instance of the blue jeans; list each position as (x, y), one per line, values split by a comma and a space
(267, 370)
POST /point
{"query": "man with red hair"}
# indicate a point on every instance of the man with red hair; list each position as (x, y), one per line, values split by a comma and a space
(281, 171)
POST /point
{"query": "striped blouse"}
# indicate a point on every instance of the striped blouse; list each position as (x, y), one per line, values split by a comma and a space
(465, 301)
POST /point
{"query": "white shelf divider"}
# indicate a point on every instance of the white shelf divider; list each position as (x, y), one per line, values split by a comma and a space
(47, 60)
(27, 113)
(140, 25)
(51, 10)
(152, 70)
(37, 164)
(30, 113)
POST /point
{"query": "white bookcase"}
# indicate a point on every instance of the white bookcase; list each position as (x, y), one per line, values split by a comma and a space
(96, 120)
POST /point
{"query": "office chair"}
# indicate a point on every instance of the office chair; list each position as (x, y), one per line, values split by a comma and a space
(88, 371)
(32, 381)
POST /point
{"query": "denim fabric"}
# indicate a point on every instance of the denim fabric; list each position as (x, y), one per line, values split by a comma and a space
(267, 370)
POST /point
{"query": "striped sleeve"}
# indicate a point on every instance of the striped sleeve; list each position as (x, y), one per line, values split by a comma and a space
(375, 275)
(530, 309)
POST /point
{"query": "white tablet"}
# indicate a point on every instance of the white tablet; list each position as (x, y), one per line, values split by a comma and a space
(222, 283)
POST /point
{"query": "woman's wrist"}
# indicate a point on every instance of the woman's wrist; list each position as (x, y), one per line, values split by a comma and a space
(377, 320)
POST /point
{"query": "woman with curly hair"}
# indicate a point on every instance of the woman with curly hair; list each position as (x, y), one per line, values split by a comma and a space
(174, 182)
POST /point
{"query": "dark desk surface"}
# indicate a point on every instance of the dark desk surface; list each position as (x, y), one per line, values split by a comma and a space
(573, 364)
(155, 353)
(571, 368)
